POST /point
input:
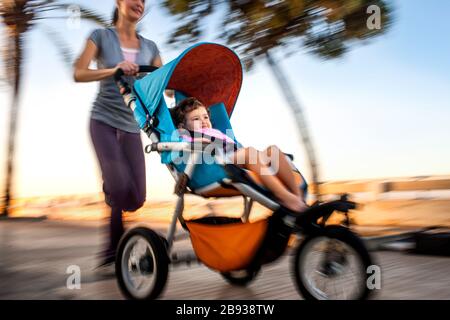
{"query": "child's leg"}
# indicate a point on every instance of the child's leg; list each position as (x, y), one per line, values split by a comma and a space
(249, 158)
(282, 168)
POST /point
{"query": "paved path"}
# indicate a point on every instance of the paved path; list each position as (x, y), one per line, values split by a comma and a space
(34, 257)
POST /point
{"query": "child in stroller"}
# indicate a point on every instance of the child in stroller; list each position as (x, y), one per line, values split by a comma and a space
(270, 165)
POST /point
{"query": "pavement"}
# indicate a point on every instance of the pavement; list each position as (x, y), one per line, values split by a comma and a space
(36, 256)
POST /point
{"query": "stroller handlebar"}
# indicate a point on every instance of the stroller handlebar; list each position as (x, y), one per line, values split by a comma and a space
(122, 84)
(142, 69)
(147, 69)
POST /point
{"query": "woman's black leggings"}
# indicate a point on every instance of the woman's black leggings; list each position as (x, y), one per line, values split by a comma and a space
(122, 163)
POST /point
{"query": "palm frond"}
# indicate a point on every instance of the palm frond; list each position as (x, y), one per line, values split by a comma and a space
(62, 46)
(85, 13)
(33, 5)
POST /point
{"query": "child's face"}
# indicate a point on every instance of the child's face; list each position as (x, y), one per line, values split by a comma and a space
(197, 119)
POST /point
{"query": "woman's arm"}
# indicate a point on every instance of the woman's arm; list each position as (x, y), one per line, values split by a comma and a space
(82, 73)
(157, 61)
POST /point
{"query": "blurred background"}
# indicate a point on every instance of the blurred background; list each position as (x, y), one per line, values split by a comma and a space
(357, 90)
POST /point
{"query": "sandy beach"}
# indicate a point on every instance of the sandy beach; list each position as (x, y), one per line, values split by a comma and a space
(396, 213)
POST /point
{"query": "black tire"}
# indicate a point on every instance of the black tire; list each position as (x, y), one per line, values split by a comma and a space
(157, 264)
(349, 238)
(240, 278)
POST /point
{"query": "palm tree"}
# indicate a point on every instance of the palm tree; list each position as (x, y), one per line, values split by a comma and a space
(259, 29)
(18, 18)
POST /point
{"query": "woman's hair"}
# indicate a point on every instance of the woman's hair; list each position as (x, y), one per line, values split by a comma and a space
(185, 106)
(115, 16)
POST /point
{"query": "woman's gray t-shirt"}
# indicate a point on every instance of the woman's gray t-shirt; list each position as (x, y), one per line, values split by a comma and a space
(109, 106)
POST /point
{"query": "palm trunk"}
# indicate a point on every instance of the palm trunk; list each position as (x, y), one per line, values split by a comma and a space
(300, 120)
(17, 66)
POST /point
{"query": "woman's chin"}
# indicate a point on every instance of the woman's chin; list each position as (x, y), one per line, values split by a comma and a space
(134, 17)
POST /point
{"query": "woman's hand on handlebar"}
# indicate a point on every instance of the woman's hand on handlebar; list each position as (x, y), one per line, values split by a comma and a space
(128, 68)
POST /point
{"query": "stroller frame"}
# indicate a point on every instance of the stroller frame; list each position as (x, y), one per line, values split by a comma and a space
(281, 224)
(249, 194)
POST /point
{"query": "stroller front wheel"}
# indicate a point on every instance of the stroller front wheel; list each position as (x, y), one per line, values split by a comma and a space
(332, 265)
(141, 264)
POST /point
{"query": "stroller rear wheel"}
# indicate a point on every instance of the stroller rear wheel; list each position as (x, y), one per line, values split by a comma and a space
(240, 278)
(332, 265)
(141, 264)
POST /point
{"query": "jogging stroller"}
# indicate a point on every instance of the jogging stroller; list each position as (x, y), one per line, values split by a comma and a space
(237, 248)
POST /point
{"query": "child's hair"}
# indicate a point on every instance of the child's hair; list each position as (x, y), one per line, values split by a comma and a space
(185, 106)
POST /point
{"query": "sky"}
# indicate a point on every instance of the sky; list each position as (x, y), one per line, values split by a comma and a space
(383, 110)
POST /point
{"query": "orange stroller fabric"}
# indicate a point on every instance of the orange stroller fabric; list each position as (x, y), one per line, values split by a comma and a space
(227, 247)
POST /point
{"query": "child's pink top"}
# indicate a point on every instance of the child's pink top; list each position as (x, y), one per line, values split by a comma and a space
(209, 132)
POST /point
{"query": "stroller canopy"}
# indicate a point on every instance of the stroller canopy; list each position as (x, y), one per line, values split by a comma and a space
(210, 72)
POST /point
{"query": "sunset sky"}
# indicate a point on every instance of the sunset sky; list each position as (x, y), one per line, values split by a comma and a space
(381, 111)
